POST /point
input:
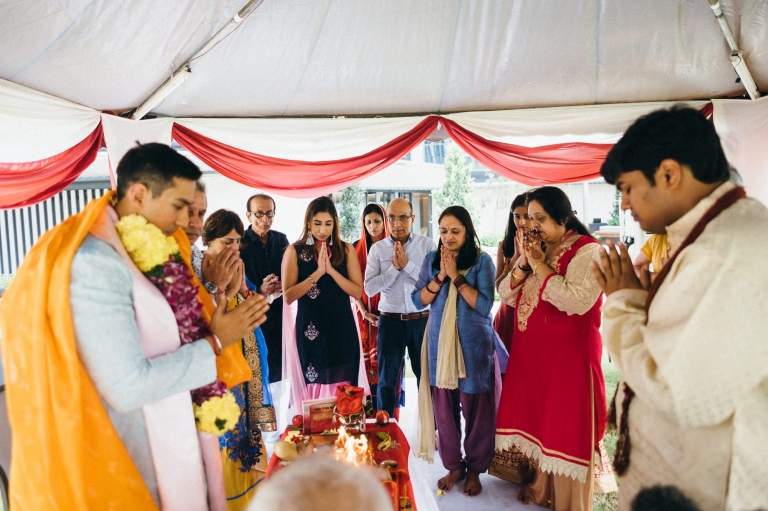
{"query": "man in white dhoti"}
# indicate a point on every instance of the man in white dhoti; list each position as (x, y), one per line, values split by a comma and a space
(691, 348)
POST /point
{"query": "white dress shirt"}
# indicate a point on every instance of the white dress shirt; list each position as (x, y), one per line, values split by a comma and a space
(396, 285)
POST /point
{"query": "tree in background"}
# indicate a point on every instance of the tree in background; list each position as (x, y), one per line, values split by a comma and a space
(457, 189)
(350, 209)
(614, 220)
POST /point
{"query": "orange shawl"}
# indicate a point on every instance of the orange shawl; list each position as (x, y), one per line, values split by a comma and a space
(66, 453)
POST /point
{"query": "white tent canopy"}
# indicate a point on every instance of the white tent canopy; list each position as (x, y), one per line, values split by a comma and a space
(353, 57)
(495, 64)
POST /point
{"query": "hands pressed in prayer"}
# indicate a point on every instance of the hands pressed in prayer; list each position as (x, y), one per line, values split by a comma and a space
(616, 272)
(399, 258)
(220, 269)
(533, 252)
(322, 260)
(237, 283)
(519, 245)
(232, 326)
(448, 262)
(442, 274)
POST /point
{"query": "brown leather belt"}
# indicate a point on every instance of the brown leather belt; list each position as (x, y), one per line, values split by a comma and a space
(406, 317)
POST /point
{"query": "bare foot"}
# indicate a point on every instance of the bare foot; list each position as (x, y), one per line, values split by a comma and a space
(472, 487)
(522, 497)
(446, 482)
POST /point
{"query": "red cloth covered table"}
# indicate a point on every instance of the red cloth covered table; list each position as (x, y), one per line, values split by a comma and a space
(399, 453)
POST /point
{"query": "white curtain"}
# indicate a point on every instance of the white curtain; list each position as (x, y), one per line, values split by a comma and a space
(34, 125)
(533, 127)
(121, 134)
(743, 129)
(304, 139)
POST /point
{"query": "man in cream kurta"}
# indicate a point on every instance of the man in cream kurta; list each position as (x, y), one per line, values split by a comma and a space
(697, 360)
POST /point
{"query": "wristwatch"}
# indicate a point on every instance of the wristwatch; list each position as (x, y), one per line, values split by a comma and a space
(211, 287)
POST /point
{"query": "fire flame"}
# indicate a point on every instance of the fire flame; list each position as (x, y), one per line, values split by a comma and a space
(350, 449)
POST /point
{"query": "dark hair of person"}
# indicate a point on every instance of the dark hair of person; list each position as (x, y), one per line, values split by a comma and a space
(221, 223)
(662, 498)
(325, 205)
(155, 166)
(262, 196)
(200, 186)
(468, 251)
(679, 133)
(557, 205)
(508, 244)
(372, 208)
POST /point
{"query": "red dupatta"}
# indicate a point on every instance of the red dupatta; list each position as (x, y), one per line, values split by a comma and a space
(371, 303)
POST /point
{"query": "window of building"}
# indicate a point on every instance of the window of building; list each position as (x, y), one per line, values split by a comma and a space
(434, 152)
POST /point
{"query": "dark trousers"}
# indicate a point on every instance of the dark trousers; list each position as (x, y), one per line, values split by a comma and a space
(479, 412)
(395, 335)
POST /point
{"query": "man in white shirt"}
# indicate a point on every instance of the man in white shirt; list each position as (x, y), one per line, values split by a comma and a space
(392, 270)
(690, 347)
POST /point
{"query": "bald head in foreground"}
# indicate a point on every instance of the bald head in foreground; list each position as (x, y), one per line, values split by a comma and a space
(322, 484)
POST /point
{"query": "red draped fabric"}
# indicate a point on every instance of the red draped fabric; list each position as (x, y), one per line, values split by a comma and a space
(299, 178)
(534, 166)
(27, 183)
(543, 165)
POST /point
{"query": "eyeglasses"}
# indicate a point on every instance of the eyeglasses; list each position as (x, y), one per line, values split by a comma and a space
(261, 214)
(401, 218)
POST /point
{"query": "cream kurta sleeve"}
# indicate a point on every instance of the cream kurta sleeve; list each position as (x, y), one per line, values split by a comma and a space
(699, 353)
(506, 293)
(577, 291)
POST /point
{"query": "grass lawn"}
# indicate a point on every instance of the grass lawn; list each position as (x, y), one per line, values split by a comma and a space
(609, 501)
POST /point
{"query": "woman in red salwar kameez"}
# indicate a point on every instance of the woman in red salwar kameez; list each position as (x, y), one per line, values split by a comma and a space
(553, 411)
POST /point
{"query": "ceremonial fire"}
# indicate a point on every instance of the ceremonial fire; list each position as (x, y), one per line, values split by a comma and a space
(351, 449)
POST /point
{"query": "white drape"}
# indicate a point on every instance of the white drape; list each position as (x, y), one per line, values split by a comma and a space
(743, 129)
(304, 139)
(121, 134)
(533, 127)
(34, 125)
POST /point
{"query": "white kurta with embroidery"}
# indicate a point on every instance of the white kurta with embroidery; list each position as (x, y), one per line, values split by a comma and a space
(699, 367)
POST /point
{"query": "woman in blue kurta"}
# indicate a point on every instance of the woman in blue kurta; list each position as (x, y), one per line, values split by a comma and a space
(457, 281)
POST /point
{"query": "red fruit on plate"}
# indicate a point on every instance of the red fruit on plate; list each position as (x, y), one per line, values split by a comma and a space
(382, 417)
(298, 421)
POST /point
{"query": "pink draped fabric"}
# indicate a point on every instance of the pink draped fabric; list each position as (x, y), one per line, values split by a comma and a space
(27, 183)
(299, 178)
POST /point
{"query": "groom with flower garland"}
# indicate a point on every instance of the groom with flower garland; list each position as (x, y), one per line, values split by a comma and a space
(105, 331)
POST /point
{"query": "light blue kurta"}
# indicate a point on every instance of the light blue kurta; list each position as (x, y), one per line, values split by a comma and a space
(476, 334)
(108, 343)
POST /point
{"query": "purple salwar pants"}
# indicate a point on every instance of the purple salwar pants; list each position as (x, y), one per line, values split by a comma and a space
(479, 412)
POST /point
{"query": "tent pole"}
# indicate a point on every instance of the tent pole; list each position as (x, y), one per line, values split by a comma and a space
(182, 73)
(737, 59)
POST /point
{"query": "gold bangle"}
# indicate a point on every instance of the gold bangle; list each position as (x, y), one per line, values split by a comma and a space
(535, 266)
(515, 276)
